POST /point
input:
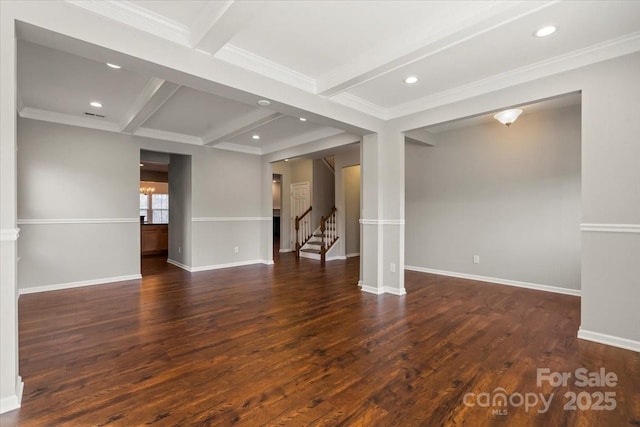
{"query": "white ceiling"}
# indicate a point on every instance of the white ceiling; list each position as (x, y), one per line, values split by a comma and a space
(347, 53)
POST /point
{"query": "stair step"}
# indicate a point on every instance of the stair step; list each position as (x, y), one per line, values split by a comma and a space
(311, 251)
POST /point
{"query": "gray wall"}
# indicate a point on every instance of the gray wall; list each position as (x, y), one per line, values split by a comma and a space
(180, 209)
(80, 176)
(509, 195)
(351, 179)
(324, 197)
(68, 177)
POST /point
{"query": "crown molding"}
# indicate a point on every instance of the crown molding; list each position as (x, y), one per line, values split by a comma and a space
(579, 58)
(138, 17)
(168, 136)
(237, 148)
(352, 101)
(68, 119)
(250, 61)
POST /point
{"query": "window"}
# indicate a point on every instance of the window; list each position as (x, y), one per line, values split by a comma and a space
(160, 208)
(155, 208)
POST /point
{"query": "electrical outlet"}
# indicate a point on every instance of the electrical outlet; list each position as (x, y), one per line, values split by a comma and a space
(476, 259)
(236, 250)
(393, 267)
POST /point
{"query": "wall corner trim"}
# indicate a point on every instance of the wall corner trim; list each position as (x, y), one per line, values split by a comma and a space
(9, 403)
(611, 228)
(611, 340)
(231, 218)
(69, 285)
(497, 281)
(381, 221)
(9, 234)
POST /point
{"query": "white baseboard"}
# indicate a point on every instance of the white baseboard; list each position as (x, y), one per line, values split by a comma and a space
(611, 340)
(360, 284)
(179, 264)
(395, 291)
(285, 250)
(10, 403)
(371, 290)
(384, 290)
(534, 286)
(267, 262)
(336, 258)
(57, 287)
(230, 264)
(353, 254)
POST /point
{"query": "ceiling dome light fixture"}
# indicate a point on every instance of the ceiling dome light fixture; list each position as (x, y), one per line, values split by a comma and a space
(117, 67)
(302, 119)
(95, 104)
(264, 103)
(411, 80)
(256, 136)
(507, 117)
(545, 31)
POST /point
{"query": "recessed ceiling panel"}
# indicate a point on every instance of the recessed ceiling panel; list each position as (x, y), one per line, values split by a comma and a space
(277, 131)
(314, 37)
(182, 12)
(512, 46)
(57, 81)
(195, 113)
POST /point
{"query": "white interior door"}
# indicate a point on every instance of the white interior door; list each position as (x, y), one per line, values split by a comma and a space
(300, 202)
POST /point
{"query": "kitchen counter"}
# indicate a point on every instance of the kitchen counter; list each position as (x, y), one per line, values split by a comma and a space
(154, 238)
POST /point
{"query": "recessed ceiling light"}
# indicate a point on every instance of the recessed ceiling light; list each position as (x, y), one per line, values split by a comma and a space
(256, 137)
(117, 67)
(264, 103)
(274, 181)
(302, 119)
(141, 165)
(411, 80)
(545, 31)
(95, 104)
(286, 160)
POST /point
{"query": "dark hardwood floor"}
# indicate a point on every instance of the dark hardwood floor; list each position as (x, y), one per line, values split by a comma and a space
(298, 344)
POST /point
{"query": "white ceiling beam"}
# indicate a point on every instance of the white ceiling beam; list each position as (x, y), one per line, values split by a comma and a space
(420, 137)
(73, 31)
(217, 24)
(155, 93)
(422, 43)
(238, 126)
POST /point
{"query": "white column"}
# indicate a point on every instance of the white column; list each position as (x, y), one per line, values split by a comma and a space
(382, 220)
(10, 381)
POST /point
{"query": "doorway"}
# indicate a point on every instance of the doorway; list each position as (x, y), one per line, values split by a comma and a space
(165, 214)
(276, 192)
(300, 203)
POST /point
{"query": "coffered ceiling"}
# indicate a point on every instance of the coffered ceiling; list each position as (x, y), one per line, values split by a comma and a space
(353, 54)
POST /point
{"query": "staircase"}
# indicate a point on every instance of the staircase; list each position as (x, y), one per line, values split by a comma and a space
(321, 241)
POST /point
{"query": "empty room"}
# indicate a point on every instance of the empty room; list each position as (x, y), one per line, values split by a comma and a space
(367, 213)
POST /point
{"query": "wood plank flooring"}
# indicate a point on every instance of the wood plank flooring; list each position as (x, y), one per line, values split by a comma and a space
(297, 344)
